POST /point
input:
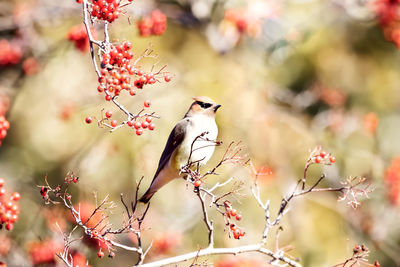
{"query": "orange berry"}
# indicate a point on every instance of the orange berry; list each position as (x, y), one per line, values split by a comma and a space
(108, 113)
(147, 103)
(100, 254)
(233, 212)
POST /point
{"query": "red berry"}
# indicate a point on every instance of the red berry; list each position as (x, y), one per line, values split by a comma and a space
(152, 126)
(197, 183)
(332, 159)
(237, 232)
(108, 97)
(89, 120)
(2, 191)
(147, 103)
(139, 132)
(104, 72)
(14, 208)
(138, 83)
(322, 154)
(228, 212)
(100, 254)
(137, 125)
(69, 197)
(15, 196)
(238, 217)
(318, 159)
(9, 226)
(241, 232)
(127, 45)
(14, 218)
(6, 125)
(232, 212)
(8, 205)
(167, 78)
(149, 119)
(100, 88)
(113, 123)
(130, 123)
(43, 191)
(108, 114)
(145, 124)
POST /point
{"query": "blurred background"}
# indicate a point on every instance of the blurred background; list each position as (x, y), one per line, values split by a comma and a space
(289, 75)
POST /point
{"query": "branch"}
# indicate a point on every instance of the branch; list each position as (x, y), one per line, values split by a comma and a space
(219, 251)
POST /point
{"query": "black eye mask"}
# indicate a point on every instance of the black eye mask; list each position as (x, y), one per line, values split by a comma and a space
(203, 105)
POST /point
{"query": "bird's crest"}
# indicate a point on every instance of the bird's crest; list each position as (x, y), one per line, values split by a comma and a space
(204, 99)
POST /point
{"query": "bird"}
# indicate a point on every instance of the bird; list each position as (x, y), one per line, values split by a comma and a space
(198, 120)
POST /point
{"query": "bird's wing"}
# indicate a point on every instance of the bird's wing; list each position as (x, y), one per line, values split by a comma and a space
(174, 140)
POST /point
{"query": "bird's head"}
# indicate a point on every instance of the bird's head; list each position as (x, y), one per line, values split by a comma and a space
(203, 105)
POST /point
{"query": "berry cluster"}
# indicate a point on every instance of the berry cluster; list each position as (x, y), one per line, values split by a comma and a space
(392, 181)
(9, 208)
(323, 157)
(78, 35)
(43, 252)
(155, 24)
(10, 54)
(108, 10)
(116, 71)
(57, 191)
(231, 213)
(387, 13)
(4, 126)
(139, 123)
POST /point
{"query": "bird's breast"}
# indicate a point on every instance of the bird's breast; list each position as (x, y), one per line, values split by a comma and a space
(200, 150)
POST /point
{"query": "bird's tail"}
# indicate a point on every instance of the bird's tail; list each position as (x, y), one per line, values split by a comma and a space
(147, 196)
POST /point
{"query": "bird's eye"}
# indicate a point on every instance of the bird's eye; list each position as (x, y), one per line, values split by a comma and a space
(204, 105)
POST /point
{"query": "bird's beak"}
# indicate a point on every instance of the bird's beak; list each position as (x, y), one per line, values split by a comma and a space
(216, 107)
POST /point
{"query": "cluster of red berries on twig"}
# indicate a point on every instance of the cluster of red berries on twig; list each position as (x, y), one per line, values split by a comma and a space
(9, 208)
(324, 158)
(138, 123)
(57, 191)
(319, 156)
(117, 70)
(232, 214)
(78, 35)
(4, 126)
(108, 10)
(155, 24)
(10, 54)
